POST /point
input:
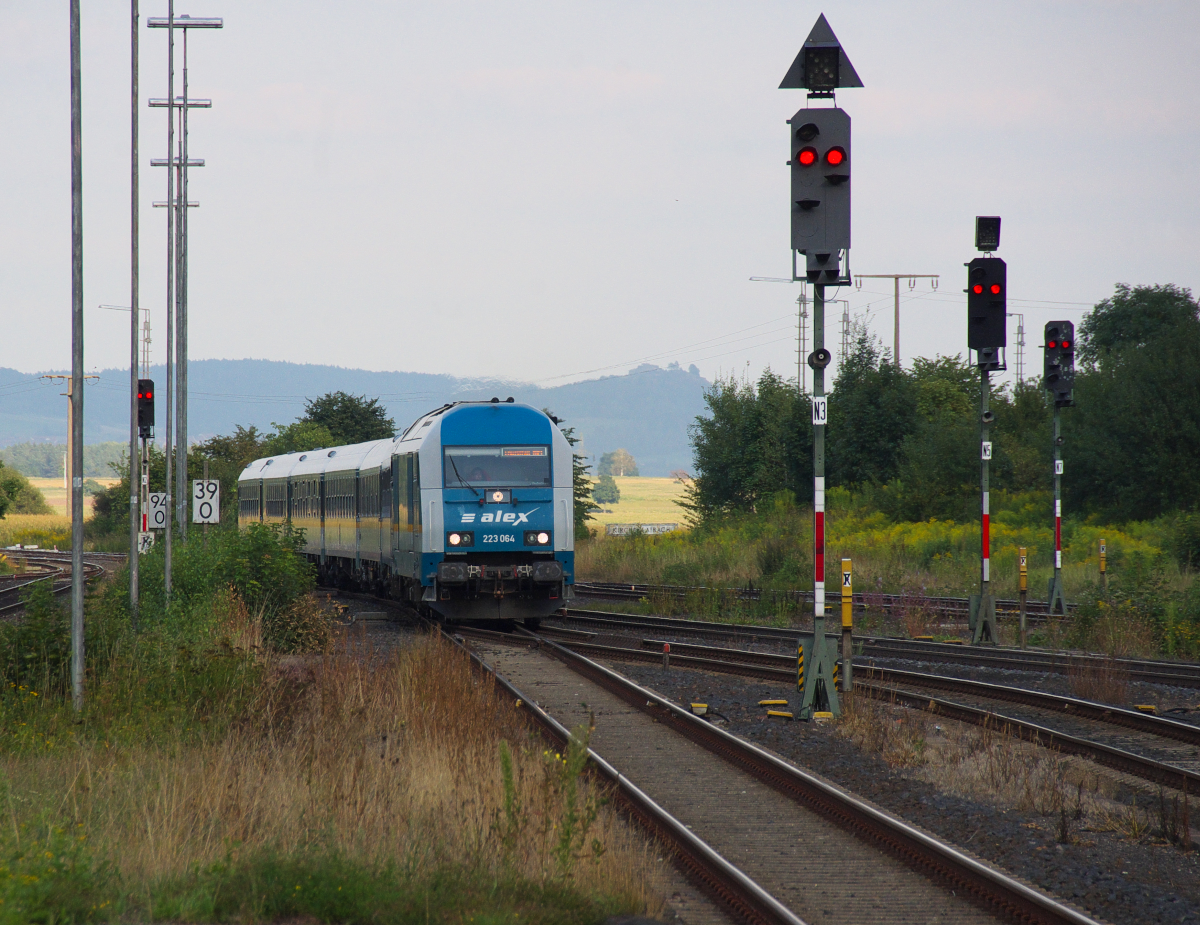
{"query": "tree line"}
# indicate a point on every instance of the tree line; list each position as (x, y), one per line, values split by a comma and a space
(1131, 443)
(46, 460)
(333, 419)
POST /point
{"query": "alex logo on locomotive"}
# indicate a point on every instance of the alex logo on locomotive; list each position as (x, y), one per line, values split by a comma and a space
(508, 517)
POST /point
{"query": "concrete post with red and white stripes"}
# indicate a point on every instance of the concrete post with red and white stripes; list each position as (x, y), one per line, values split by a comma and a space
(983, 605)
(819, 418)
(1056, 600)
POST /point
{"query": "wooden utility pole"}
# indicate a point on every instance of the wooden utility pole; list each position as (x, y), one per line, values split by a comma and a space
(69, 463)
(895, 278)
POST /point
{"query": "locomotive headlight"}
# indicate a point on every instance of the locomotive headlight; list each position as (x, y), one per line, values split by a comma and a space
(460, 539)
(537, 537)
(455, 539)
(543, 538)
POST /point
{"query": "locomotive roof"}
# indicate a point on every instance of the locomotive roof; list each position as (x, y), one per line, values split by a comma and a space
(460, 423)
(270, 467)
(335, 458)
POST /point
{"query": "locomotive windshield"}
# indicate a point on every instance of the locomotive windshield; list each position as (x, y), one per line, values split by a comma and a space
(497, 467)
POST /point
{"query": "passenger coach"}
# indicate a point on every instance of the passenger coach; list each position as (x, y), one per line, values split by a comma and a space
(469, 512)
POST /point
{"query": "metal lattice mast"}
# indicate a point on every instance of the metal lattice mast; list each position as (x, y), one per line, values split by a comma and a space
(802, 353)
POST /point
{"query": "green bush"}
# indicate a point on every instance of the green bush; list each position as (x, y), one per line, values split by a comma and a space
(35, 653)
(18, 496)
(189, 670)
(261, 564)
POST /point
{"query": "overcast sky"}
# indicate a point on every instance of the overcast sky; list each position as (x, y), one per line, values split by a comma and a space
(544, 191)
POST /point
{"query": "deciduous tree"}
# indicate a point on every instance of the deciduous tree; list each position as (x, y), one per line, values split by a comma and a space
(619, 462)
(606, 491)
(349, 418)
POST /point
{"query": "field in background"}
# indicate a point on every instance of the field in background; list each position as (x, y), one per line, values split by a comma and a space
(44, 530)
(56, 494)
(643, 501)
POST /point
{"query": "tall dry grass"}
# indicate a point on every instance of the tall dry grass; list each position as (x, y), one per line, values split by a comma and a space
(1106, 681)
(402, 759)
(44, 530)
(987, 763)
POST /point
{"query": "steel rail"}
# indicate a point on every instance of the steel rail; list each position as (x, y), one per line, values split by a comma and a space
(715, 873)
(1179, 674)
(1159, 726)
(1118, 759)
(772, 667)
(92, 571)
(952, 606)
(948, 865)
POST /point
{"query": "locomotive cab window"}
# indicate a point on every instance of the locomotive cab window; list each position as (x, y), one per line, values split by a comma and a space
(497, 467)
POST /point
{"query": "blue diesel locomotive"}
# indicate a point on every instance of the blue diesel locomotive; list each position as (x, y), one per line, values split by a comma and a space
(469, 512)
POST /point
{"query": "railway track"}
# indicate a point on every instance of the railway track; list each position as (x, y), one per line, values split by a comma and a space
(1178, 674)
(744, 821)
(48, 566)
(952, 607)
(1163, 751)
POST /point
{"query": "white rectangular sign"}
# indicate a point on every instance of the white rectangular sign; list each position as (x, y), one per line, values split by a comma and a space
(820, 406)
(145, 542)
(158, 510)
(987, 449)
(1058, 469)
(206, 501)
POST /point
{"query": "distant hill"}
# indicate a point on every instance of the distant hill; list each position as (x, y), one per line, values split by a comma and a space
(45, 460)
(646, 411)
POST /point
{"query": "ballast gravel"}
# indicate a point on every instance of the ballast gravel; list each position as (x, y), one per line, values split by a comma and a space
(1119, 880)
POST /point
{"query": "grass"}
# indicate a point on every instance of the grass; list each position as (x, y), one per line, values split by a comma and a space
(1106, 682)
(374, 776)
(45, 530)
(643, 501)
(212, 778)
(1151, 604)
(987, 764)
(773, 548)
(56, 495)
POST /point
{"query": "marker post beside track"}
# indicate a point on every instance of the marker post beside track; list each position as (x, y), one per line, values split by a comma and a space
(847, 626)
(1023, 593)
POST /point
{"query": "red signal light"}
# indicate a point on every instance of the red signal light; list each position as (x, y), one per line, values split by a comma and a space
(835, 157)
(1052, 345)
(977, 289)
(995, 289)
(806, 157)
(1066, 343)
